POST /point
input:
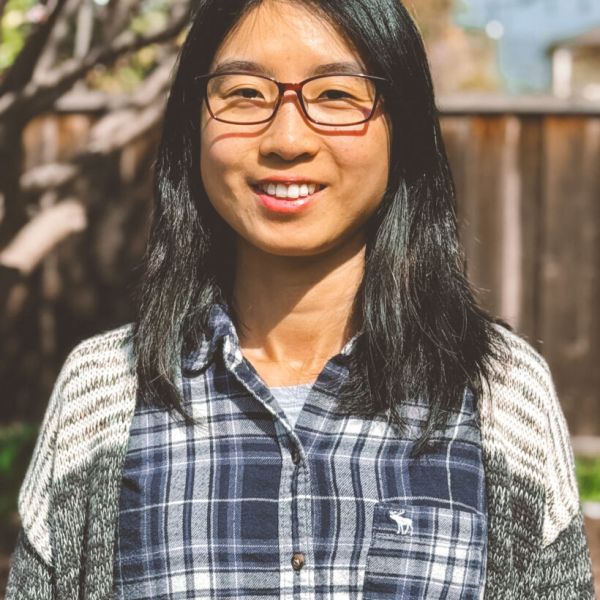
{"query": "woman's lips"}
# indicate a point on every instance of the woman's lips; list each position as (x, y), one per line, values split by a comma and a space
(286, 205)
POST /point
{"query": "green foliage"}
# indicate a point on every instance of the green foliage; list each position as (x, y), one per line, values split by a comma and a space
(124, 76)
(127, 73)
(14, 28)
(588, 478)
(16, 446)
(152, 17)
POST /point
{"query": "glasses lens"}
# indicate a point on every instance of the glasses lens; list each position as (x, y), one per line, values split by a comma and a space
(339, 99)
(241, 98)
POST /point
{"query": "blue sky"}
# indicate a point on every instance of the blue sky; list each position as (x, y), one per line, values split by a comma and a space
(529, 27)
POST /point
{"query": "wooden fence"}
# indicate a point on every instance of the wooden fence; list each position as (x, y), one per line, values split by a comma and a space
(528, 180)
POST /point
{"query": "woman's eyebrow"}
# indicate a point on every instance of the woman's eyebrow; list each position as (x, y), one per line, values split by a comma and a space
(348, 67)
(240, 65)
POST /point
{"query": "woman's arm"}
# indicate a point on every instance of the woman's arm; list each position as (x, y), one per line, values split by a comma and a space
(31, 569)
(30, 577)
(563, 570)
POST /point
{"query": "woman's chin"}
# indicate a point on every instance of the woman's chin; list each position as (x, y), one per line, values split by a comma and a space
(286, 246)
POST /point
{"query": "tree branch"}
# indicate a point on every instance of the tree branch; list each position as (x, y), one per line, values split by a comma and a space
(22, 69)
(3, 4)
(111, 134)
(61, 32)
(37, 97)
(118, 16)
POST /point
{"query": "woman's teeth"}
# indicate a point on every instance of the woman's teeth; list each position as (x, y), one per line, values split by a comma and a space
(294, 190)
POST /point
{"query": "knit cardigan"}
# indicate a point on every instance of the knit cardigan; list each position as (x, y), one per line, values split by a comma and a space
(69, 499)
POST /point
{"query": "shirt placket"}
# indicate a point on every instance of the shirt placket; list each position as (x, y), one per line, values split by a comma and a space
(297, 573)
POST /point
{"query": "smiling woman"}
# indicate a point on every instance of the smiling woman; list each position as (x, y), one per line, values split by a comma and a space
(276, 141)
(310, 403)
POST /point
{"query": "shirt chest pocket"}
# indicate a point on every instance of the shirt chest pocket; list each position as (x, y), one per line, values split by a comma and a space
(425, 552)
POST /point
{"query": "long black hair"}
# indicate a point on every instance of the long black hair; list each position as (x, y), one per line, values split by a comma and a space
(422, 333)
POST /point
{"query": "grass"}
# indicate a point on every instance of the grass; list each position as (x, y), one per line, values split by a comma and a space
(588, 478)
(16, 445)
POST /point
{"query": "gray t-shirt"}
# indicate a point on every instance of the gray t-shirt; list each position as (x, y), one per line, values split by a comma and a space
(291, 398)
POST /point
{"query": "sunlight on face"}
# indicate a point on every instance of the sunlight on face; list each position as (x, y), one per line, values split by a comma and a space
(352, 163)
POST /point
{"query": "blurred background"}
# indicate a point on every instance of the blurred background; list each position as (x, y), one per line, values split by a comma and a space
(82, 89)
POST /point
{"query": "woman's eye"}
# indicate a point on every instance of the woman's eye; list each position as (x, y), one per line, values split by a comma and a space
(336, 95)
(248, 93)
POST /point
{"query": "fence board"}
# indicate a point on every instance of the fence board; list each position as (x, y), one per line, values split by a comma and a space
(496, 165)
(570, 290)
(528, 188)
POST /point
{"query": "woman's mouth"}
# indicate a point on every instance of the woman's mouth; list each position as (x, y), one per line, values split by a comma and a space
(287, 197)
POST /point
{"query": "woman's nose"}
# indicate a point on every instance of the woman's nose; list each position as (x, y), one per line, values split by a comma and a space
(289, 134)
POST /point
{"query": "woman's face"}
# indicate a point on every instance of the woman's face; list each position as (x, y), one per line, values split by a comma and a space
(352, 163)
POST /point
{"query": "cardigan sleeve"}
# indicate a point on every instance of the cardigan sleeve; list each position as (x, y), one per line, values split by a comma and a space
(563, 570)
(53, 544)
(30, 578)
(36, 489)
(30, 574)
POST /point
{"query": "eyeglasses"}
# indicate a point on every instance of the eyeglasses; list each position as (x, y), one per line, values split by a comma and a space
(337, 100)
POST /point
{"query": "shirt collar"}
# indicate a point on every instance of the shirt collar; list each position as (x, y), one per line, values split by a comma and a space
(221, 334)
(220, 327)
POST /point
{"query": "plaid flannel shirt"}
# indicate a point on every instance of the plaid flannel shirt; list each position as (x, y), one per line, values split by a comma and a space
(245, 506)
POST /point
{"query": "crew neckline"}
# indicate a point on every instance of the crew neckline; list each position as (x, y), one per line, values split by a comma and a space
(295, 386)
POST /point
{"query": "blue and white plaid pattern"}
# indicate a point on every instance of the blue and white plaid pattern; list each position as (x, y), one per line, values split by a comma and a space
(219, 510)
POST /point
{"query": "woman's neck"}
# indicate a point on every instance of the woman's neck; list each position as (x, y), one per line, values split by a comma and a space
(294, 313)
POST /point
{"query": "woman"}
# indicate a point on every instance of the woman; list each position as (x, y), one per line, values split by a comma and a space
(322, 409)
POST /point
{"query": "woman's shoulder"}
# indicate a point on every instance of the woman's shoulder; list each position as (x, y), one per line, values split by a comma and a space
(96, 388)
(520, 380)
(117, 341)
(96, 382)
(87, 414)
(520, 390)
(522, 360)
(102, 357)
(525, 421)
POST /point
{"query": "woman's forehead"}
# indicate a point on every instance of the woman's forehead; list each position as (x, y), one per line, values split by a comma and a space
(281, 36)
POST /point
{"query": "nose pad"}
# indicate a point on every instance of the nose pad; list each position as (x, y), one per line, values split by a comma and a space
(289, 133)
(291, 97)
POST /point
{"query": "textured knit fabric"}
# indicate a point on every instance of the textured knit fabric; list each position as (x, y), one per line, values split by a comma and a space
(220, 510)
(69, 500)
(290, 399)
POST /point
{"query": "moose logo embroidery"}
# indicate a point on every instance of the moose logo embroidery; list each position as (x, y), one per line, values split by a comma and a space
(404, 524)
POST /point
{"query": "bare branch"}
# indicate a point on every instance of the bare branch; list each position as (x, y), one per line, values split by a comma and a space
(111, 134)
(83, 101)
(155, 84)
(42, 233)
(118, 16)
(2, 7)
(84, 30)
(22, 69)
(119, 129)
(39, 96)
(47, 177)
(48, 59)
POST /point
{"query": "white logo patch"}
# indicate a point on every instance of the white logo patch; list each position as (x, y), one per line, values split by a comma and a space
(404, 524)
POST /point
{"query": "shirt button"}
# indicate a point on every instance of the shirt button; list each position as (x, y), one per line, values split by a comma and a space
(295, 456)
(297, 560)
